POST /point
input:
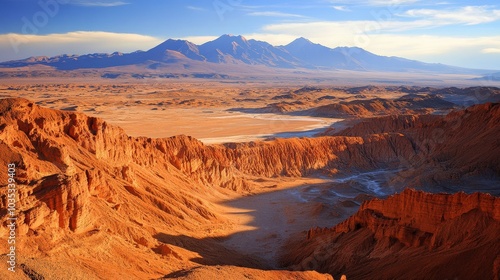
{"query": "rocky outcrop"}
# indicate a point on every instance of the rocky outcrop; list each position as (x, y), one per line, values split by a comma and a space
(389, 124)
(449, 148)
(428, 211)
(61, 199)
(411, 235)
(75, 172)
(410, 104)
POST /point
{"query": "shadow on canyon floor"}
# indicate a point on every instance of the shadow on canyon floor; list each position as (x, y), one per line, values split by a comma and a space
(264, 222)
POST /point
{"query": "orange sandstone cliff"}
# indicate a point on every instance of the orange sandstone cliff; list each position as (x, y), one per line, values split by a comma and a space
(94, 203)
(119, 206)
(451, 150)
(412, 235)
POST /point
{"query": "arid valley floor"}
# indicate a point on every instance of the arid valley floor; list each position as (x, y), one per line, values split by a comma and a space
(124, 179)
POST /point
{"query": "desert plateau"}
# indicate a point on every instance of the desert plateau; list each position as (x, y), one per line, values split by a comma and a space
(203, 180)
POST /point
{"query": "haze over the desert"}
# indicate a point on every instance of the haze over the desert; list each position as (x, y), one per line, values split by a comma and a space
(226, 139)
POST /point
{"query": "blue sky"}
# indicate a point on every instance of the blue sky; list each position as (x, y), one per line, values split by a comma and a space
(461, 33)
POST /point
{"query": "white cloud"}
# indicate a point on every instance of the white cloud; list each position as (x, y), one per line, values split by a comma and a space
(421, 19)
(384, 38)
(195, 8)
(274, 14)
(18, 46)
(426, 45)
(390, 2)
(491, 50)
(387, 22)
(349, 32)
(374, 2)
(469, 15)
(88, 3)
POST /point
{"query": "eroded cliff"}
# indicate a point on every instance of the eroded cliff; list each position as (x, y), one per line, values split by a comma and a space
(85, 184)
(412, 235)
(82, 180)
(458, 149)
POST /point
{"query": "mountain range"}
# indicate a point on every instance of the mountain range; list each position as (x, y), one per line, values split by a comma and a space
(237, 50)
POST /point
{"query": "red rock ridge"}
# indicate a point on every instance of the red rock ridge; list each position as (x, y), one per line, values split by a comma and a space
(422, 211)
(79, 177)
(215, 165)
(448, 148)
(412, 235)
(410, 104)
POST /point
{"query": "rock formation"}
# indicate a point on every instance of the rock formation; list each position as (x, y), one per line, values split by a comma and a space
(82, 181)
(410, 104)
(449, 149)
(129, 206)
(412, 235)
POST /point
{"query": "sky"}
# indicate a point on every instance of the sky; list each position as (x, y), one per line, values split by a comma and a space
(460, 33)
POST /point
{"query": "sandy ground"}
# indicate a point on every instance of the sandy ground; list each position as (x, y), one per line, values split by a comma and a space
(264, 222)
(268, 220)
(206, 111)
(213, 126)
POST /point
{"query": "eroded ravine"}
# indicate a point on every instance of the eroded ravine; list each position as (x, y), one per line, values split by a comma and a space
(263, 223)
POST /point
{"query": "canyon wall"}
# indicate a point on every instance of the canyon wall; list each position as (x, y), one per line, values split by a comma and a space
(48, 143)
(52, 147)
(412, 235)
(81, 179)
(462, 146)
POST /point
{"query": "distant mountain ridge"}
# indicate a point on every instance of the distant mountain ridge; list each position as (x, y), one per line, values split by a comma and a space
(233, 50)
